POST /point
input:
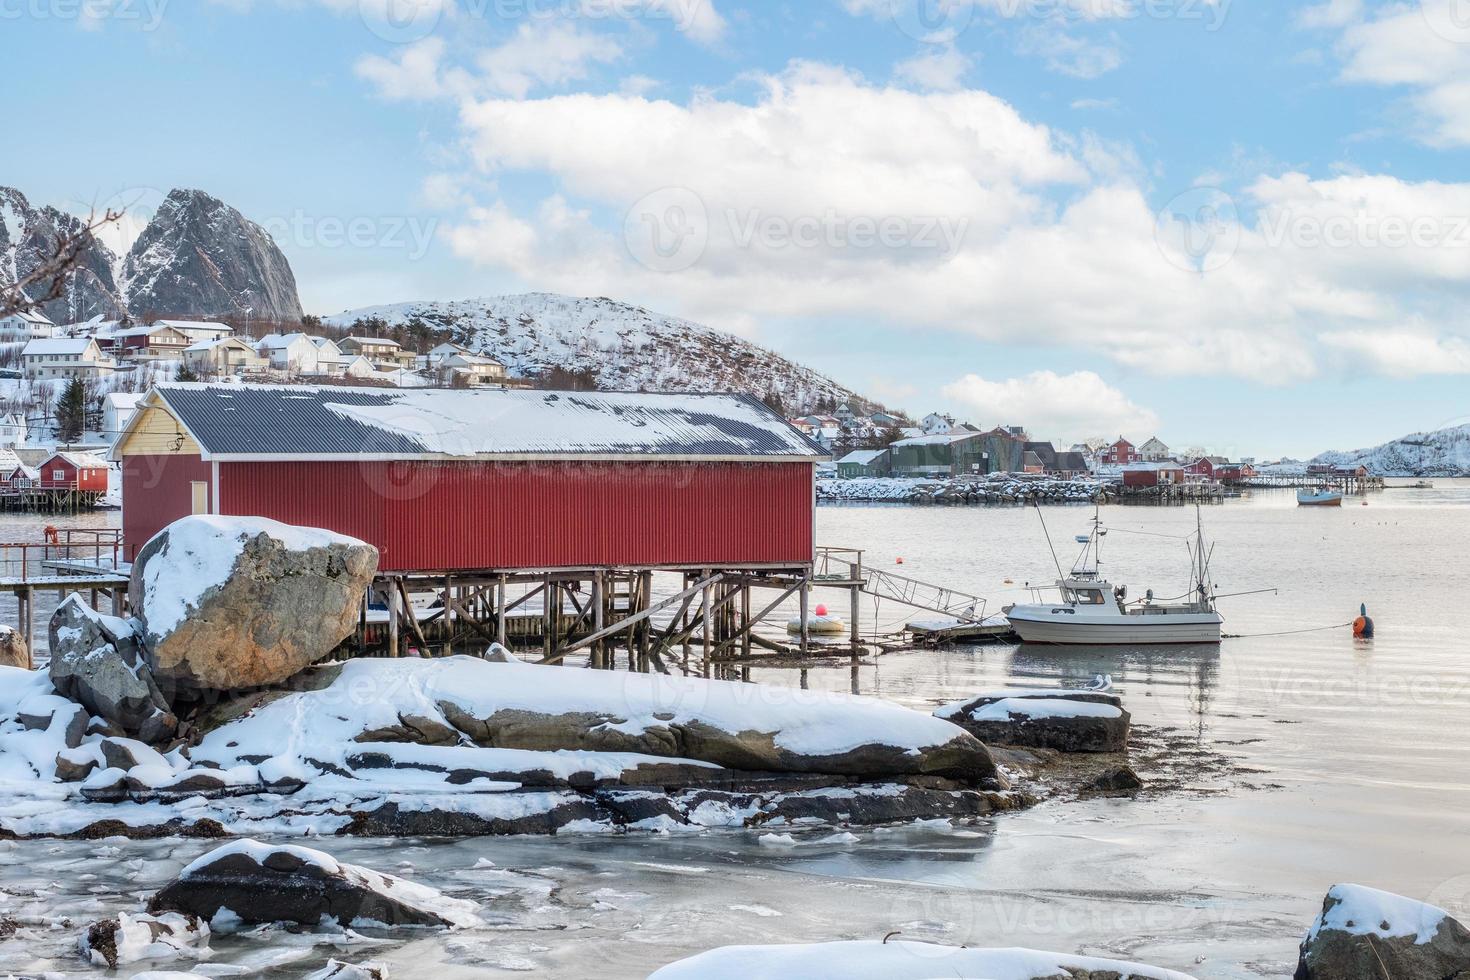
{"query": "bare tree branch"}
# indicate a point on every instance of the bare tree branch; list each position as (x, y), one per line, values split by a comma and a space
(47, 281)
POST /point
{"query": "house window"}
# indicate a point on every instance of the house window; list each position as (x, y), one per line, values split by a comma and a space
(58, 475)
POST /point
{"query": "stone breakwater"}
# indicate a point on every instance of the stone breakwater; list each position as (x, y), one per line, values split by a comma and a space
(991, 492)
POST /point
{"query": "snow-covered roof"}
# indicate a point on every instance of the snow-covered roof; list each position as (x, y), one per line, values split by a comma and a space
(123, 399)
(52, 346)
(82, 461)
(212, 326)
(371, 341)
(33, 316)
(147, 331)
(862, 456)
(312, 422)
(938, 439)
(1152, 466)
(277, 341)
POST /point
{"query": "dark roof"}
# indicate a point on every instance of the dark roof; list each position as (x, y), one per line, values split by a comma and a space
(1071, 463)
(232, 420)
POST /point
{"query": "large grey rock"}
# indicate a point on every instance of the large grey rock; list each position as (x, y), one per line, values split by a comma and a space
(234, 603)
(1068, 721)
(13, 649)
(260, 883)
(199, 256)
(95, 661)
(1366, 934)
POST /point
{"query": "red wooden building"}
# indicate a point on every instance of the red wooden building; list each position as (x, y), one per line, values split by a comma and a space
(448, 481)
(74, 471)
(1120, 453)
(1153, 474)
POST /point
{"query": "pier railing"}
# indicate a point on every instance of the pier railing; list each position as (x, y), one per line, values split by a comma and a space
(72, 553)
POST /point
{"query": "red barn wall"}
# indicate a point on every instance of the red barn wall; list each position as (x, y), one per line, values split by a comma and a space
(157, 492)
(444, 516)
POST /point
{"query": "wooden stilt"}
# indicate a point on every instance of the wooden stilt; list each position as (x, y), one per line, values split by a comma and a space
(500, 612)
(599, 611)
(394, 650)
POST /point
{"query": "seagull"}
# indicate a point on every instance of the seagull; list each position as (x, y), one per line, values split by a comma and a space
(1102, 682)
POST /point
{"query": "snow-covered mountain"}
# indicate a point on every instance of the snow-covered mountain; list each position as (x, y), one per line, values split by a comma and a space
(197, 257)
(200, 257)
(1445, 452)
(28, 237)
(624, 347)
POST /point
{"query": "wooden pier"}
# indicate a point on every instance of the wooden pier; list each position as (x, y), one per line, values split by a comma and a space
(1345, 482)
(1167, 494)
(85, 561)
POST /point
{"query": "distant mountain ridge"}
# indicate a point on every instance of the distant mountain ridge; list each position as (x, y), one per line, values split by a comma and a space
(623, 347)
(1443, 452)
(197, 257)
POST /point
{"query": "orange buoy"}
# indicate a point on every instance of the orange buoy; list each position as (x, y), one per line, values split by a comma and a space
(899, 562)
(1363, 625)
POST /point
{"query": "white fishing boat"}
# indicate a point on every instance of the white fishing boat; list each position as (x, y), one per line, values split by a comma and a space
(1093, 612)
(1321, 497)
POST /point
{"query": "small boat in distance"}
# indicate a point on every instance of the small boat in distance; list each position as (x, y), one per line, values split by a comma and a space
(1421, 485)
(1093, 612)
(1321, 497)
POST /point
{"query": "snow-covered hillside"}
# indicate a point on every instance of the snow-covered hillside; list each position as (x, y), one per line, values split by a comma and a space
(1445, 452)
(624, 347)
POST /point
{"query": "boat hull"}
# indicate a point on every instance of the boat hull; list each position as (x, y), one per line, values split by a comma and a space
(1319, 499)
(1039, 624)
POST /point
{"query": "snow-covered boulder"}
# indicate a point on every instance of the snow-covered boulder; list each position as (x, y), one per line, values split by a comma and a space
(240, 602)
(13, 649)
(131, 938)
(1068, 721)
(1367, 934)
(749, 727)
(337, 970)
(246, 881)
(872, 960)
(96, 661)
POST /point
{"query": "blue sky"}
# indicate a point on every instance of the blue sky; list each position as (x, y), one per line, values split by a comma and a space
(1237, 225)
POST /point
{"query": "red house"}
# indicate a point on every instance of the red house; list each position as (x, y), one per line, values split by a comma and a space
(444, 480)
(74, 471)
(1120, 453)
(1214, 468)
(1152, 474)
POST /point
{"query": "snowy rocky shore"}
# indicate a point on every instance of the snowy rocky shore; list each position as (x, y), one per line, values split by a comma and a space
(211, 713)
(249, 889)
(994, 491)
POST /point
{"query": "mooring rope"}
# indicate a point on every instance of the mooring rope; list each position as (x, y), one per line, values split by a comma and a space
(1313, 629)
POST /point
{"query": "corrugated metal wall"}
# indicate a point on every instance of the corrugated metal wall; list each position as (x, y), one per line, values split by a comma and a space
(156, 492)
(442, 516)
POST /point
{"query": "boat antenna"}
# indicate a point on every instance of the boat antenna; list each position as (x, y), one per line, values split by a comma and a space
(1054, 559)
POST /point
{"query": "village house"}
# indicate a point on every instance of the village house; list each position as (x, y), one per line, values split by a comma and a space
(150, 343)
(386, 355)
(439, 352)
(1066, 465)
(1153, 473)
(13, 429)
(223, 357)
(1154, 451)
(935, 424)
(28, 324)
(291, 353)
(864, 462)
(60, 357)
(74, 471)
(199, 330)
(1120, 453)
(117, 411)
(941, 454)
(474, 370)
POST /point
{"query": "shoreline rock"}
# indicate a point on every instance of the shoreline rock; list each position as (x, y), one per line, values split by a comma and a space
(1068, 721)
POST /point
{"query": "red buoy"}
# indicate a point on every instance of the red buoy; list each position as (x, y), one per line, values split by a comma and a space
(821, 610)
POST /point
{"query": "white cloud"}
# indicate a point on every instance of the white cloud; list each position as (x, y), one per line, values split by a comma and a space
(1034, 236)
(1068, 53)
(541, 54)
(1068, 407)
(941, 69)
(1402, 353)
(1330, 13)
(1424, 47)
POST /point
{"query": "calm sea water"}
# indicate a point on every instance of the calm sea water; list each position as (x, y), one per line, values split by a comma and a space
(1348, 762)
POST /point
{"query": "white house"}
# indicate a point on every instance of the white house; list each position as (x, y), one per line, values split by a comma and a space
(225, 356)
(358, 367)
(1154, 451)
(197, 330)
(329, 357)
(59, 357)
(30, 324)
(117, 411)
(935, 424)
(474, 369)
(13, 430)
(294, 353)
(437, 354)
